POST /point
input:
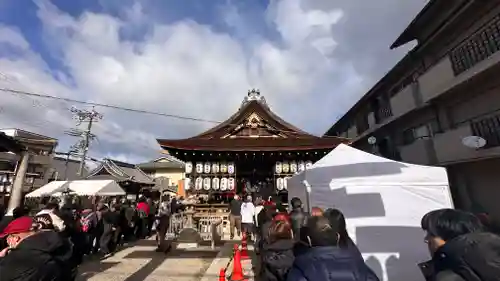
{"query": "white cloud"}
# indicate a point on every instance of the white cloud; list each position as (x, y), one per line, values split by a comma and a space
(182, 68)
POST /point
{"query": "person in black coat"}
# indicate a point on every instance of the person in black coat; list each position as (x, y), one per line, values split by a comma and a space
(277, 252)
(325, 260)
(110, 221)
(461, 250)
(35, 255)
(336, 217)
(297, 216)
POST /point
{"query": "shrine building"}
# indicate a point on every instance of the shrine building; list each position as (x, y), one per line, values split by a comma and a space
(252, 152)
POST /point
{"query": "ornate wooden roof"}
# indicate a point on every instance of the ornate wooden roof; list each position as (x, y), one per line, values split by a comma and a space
(254, 127)
(120, 171)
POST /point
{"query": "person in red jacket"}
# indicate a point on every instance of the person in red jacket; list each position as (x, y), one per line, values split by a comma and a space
(142, 209)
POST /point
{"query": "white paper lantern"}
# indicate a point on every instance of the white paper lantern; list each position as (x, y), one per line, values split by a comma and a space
(230, 168)
(206, 168)
(215, 183)
(293, 167)
(206, 183)
(189, 167)
(279, 183)
(285, 167)
(302, 166)
(278, 168)
(199, 168)
(187, 184)
(215, 167)
(223, 184)
(231, 183)
(198, 184)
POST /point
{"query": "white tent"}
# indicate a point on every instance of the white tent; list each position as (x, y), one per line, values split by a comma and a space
(80, 187)
(383, 201)
(49, 189)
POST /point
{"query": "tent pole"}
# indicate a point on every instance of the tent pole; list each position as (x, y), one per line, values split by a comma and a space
(308, 189)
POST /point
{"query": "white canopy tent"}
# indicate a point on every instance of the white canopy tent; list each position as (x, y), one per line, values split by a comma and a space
(48, 189)
(383, 201)
(79, 187)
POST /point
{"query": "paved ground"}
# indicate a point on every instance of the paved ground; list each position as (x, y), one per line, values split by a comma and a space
(140, 262)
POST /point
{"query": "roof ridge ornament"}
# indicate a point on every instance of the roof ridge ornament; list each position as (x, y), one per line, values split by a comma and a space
(254, 95)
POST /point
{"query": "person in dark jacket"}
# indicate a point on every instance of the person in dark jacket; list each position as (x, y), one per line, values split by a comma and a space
(297, 216)
(265, 219)
(325, 260)
(277, 254)
(235, 216)
(336, 217)
(35, 255)
(461, 250)
(110, 220)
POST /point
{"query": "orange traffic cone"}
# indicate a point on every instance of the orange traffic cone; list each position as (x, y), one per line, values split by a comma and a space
(237, 274)
(244, 249)
(222, 274)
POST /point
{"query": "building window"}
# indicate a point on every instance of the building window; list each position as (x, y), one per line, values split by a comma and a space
(489, 129)
(382, 109)
(478, 48)
(427, 130)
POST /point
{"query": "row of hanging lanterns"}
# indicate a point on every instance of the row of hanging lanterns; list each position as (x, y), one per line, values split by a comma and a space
(291, 167)
(211, 168)
(216, 183)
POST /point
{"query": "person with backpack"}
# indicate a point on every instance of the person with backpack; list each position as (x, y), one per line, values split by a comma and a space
(460, 248)
(142, 210)
(164, 213)
(88, 224)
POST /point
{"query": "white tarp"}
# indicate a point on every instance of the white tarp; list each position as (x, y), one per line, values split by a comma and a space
(80, 187)
(383, 201)
(49, 189)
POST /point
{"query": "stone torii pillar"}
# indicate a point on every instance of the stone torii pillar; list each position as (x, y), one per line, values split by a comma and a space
(16, 192)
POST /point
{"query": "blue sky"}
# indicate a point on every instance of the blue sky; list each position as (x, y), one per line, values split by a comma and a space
(23, 15)
(312, 59)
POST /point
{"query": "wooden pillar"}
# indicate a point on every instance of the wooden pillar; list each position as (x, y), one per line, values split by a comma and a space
(17, 188)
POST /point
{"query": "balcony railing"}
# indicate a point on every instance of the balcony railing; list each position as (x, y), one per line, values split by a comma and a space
(383, 113)
(489, 129)
(481, 45)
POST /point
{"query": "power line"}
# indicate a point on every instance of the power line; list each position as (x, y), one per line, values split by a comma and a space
(42, 124)
(45, 96)
(107, 105)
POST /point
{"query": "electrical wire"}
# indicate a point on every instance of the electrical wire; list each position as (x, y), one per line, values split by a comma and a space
(44, 123)
(142, 111)
(19, 92)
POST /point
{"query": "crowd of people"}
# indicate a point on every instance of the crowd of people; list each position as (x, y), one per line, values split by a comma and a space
(292, 245)
(52, 243)
(315, 246)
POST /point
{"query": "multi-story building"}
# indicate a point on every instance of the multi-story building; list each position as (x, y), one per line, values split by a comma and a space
(168, 172)
(65, 167)
(440, 104)
(41, 150)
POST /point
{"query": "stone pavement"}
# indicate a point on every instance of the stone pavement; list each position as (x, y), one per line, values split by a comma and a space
(140, 262)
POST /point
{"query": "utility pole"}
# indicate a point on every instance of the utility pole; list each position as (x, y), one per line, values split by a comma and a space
(89, 117)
